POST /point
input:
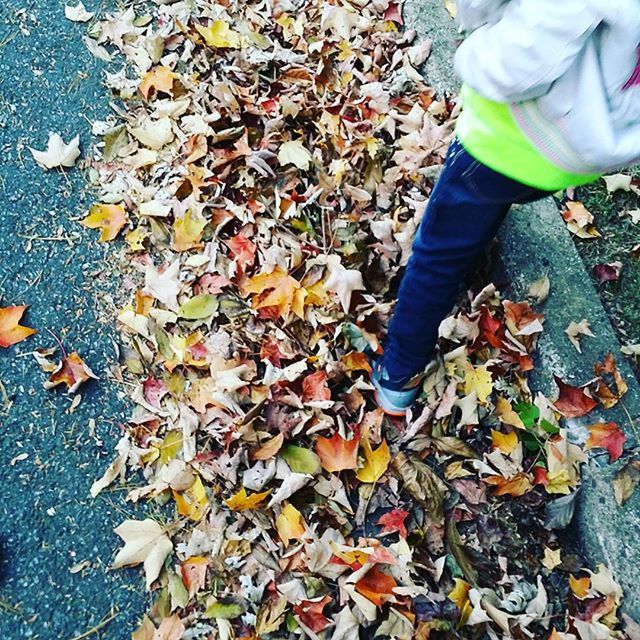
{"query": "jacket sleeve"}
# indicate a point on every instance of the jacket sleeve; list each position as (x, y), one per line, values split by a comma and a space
(533, 44)
(472, 14)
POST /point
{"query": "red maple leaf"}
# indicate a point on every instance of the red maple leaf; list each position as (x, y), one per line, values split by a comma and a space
(394, 521)
(607, 436)
(573, 402)
(314, 387)
(311, 614)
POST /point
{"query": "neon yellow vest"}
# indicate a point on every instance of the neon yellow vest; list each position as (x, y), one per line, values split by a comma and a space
(488, 131)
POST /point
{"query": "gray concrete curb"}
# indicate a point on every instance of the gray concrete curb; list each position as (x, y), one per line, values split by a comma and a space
(535, 242)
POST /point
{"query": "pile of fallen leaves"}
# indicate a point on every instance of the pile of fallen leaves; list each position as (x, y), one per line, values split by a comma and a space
(267, 164)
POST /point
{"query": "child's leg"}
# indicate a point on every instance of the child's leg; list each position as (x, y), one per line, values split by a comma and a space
(463, 214)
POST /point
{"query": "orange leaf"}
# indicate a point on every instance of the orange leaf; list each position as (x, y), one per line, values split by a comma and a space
(336, 453)
(188, 232)
(377, 586)
(282, 292)
(516, 486)
(356, 361)
(269, 448)
(158, 79)
(72, 371)
(314, 387)
(11, 332)
(580, 586)
(311, 614)
(607, 436)
(109, 218)
(194, 573)
(573, 402)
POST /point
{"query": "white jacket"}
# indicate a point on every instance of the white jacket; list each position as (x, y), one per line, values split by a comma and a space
(569, 69)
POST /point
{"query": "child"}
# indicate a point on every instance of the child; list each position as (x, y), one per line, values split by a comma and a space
(551, 99)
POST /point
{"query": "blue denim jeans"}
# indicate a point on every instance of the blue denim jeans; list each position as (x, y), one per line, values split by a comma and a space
(465, 209)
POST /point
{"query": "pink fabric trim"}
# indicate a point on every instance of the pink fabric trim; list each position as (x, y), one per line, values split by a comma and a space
(635, 76)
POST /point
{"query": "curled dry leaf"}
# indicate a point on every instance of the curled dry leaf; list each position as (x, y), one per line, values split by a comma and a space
(577, 329)
(72, 371)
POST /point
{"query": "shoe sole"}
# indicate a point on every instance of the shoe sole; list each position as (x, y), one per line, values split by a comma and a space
(386, 410)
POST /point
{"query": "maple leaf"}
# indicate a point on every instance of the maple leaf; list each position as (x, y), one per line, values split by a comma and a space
(336, 453)
(171, 628)
(314, 387)
(11, 331)
(506, 442)
(294, 152)
(608, 272)
(516, 486)
(243, 250)
(478, 380)
(192, 502)
(311, 613)
(377, 586)
(109, 218)
(193, 571)
(342, 282)
(580, 221)
(577, 329)
(394, 521)
(71, 371)
(145, 541)
(521, 319)
(580, 587)
(219, 35)
(376, 462)
(241, 501)
(573, 402)
(187, 232)
(607, 436)
(57, 154)
(277, 289)
(158, 79)
(605, 394)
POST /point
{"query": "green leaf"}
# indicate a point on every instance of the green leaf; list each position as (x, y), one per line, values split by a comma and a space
(179, 594)
(551, 429)
(301, 460)
(528, 413)
(170, 446)
(225, 611)
(199, 307)
(114, 140)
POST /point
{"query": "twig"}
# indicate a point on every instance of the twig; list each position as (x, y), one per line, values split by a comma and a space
(100, 625)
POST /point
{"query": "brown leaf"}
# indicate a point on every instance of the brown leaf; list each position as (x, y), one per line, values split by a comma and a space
(573, 402)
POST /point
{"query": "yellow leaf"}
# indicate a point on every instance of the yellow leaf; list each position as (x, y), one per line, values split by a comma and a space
(241, 501)
(109, 218)
(135, 239)
(506, 414)
(478, 379)
(290, 524)
(460, 597)
(193, 501)
(580, 586)
(220, 35)
(375, 462)
(188, 232)
(559, 482)
(506, 442)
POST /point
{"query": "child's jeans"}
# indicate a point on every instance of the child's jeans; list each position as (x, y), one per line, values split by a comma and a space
(463, 214)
